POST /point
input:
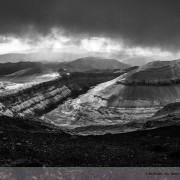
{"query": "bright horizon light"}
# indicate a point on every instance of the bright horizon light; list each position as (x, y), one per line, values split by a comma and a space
(57, 41)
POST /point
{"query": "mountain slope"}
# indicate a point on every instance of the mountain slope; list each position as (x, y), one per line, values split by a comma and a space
(124, 104)
(154, 84)
(163, 72)
(94, 64)
(79, 65)
(25, 72)
(9, 68)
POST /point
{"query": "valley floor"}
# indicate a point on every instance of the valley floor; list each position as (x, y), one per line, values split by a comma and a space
(18, 147)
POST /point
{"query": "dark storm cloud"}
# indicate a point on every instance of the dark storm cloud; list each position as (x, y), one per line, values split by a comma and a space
(142, 22)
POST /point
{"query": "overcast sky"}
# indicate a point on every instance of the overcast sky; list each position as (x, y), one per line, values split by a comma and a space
(114, 28)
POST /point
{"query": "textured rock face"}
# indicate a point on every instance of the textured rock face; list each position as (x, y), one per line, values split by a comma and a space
(40, 102)
(41, 98)
(94, 109)
(4, 111)
(133, 98)
(35, 100)
(155, 84)
(34, 106)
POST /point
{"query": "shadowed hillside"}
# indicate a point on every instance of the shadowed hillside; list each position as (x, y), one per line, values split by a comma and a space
(94, 64)
(31, 143)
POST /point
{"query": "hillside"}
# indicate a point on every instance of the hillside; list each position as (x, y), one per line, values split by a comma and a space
(124, 104)
(10, 68)
(40, 98)
(154, 84)
(31, 143)
(28, 68)
(94, 64)
(162, 72)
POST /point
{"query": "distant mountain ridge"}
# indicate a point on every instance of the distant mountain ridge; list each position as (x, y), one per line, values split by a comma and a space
(79, 65)
(34, 57)
(95, 63)
(9, 68)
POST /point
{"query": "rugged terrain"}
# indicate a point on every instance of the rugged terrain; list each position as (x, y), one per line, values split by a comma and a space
(126, 103)
(43, 97)
(130, 101)
(42, 91)
(30, 143)
(123, 117)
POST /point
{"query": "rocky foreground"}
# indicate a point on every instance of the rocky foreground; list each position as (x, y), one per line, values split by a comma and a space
(30, 143)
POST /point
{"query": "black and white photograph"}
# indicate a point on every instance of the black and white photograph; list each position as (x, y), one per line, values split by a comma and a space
(89, 83)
